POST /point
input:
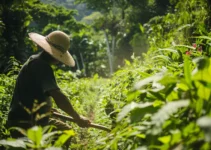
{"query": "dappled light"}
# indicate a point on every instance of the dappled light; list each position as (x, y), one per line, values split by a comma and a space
(105, 75)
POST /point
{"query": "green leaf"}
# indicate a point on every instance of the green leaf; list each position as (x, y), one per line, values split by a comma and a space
(127, 62)
(203, 37)
(64, 137)
(200, 74)
(138, 113)
(131, 96)
(168, 50)
(47, 128)
(142, 148)
(182, 86)
(131, 107)
(184, 26)
(162, 57)
(22, 131)
(169, 89)
(176, 137)
(199, 106)
(189, 129)
(158, 95)
(14, 143)
(202, 63)
(168, 79)
(37, 107)
(48, 137)
(172, 96)
(206, 84)
(35, 134)
(148, 80)
(142, 136)
(165, 139)
(157, 103)
(185, 46)
(39, 117)
(54, 148)
(141, 28)
(167, 110)
(187, 71)
(26, 23)
(205, 124)
(2, 89)
(144, 74)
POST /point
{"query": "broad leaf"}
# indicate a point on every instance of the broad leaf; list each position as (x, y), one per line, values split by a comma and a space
(148, 80)
(22, 131)
(200, 74)
(64, 137)
(205, 124)
(15, 143)
(48, 137)
(165, 139)
(35, 134)
(189, 129)
(128, 108)
(166, 111)
(138, 113)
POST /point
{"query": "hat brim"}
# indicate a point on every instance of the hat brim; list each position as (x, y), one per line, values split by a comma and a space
(65, 58)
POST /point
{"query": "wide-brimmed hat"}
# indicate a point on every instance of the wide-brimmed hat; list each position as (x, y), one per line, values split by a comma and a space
(57, 44)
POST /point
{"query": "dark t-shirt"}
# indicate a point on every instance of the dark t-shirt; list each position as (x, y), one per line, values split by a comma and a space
(34, 81)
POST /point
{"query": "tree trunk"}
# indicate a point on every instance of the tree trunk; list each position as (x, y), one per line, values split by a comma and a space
(77, 63)
(109, 53)
(113, 49)
(83, 64)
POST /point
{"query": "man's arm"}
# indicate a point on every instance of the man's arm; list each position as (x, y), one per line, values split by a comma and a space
(63, 103)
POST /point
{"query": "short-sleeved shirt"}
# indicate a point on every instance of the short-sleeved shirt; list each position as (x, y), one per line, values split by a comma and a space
(34, 81)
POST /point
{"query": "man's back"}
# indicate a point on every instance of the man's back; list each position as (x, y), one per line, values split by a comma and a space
(33, 83)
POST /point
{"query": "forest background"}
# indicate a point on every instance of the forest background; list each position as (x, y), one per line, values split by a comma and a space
(142, 69)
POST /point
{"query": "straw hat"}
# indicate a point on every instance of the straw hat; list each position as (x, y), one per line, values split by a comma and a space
(56, 44)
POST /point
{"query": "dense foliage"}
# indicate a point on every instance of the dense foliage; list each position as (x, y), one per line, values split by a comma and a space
(158, 100)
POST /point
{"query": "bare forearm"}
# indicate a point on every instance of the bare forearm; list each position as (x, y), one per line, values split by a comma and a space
(63, 103)
(67, 107)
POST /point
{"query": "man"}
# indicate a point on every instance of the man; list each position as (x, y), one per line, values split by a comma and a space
(36, 84)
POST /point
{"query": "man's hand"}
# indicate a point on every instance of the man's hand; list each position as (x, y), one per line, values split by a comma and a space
(64, 104)
(83, 122)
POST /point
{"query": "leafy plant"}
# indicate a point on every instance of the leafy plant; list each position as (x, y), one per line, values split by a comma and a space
(38, 138)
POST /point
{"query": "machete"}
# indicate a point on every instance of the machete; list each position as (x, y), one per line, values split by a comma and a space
(93, 125)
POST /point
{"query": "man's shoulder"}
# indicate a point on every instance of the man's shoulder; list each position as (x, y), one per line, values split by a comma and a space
(36, 61)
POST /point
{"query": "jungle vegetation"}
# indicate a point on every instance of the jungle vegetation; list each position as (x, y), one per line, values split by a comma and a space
(143, 70)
